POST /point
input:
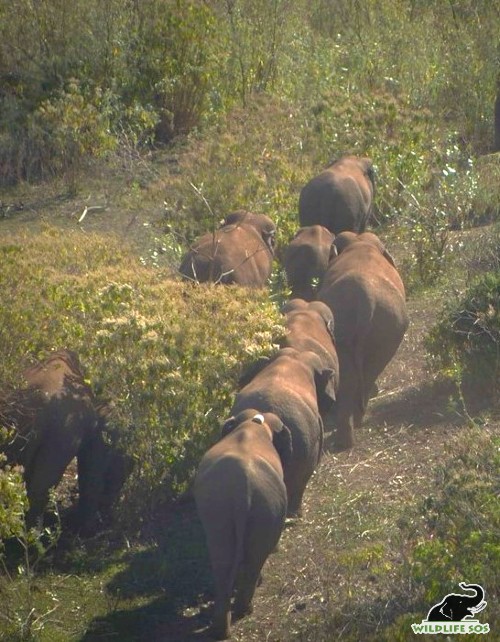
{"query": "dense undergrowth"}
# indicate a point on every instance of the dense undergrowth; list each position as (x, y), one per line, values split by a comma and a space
(167, 354)
(197, 109)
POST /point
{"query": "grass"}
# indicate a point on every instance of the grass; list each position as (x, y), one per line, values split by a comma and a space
(382, 534)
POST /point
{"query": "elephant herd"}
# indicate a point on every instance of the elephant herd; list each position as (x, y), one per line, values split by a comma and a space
(344, 322)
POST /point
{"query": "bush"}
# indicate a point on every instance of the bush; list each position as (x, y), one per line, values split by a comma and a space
(167, 353)
(13, 501)
(462, 521)
(466, 340)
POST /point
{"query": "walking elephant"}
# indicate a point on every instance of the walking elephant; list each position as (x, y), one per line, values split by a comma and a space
(241, 500)
(363, 289)
(297, 388)
(310, 326)
(341, 197)
(241, 251)
(53, 419)
(306, 260)
(456, 607)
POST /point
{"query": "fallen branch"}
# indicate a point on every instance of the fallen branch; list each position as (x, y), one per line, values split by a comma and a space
(91, 208)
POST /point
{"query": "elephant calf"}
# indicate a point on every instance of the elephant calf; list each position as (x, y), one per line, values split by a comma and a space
(296, 387)
(363, 289)
(241, 500)
(341, 197)
(306, 260)
(241, 251)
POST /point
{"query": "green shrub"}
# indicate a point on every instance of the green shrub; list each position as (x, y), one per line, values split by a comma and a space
(167, 353)
(462, 522)
(13, 501)
(466, 340)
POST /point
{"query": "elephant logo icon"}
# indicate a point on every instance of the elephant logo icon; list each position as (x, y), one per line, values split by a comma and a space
(456, 607)
(455, 613)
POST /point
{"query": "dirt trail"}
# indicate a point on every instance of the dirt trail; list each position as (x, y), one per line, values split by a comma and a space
(351, 501)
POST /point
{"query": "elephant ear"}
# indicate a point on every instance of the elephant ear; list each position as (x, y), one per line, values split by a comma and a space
(294, 304)
(252, 371)
(388, 256)
(269, 238)
(370, 173)
(333, 252)
(326, 314)
(282, 437)
(227, 427)
(330, 326)
(282, 441)
(326, 386)
(341, 241)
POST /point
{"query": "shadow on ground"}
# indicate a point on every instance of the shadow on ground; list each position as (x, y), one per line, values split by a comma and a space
(429, 403)
(173, 576)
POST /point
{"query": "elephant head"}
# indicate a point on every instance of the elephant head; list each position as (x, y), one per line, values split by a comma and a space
(347, 239)
(241, 251)
(295, 305)
(324, 378)
(262, 223)
(282, 439)
(456, 607)
(306, 260)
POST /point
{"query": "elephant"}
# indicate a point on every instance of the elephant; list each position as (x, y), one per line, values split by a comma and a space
(306, 260)
(241, 501)
(363, 289)
(54, 418)
(297, 388)
(241, 251)
(341, 197)
(456, 607)
(310, 326)
(103, 468)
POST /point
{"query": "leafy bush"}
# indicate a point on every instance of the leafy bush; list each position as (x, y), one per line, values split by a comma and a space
(13, 501)
(462, 519)
(466, 340)
(167, 353)
(142, 70)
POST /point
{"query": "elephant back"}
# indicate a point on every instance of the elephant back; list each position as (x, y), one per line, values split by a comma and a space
(340, 197)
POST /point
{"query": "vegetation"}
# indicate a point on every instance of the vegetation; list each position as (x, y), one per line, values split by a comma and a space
(466, 341)
(148, 342)
(193, 109)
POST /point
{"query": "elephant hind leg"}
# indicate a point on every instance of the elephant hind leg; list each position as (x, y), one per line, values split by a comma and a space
(221, 541)
(221, 619)
(47, 470)
(246, 585)
(258, 546)
(295, 492)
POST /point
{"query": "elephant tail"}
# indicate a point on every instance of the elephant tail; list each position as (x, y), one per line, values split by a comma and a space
(241, 512)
